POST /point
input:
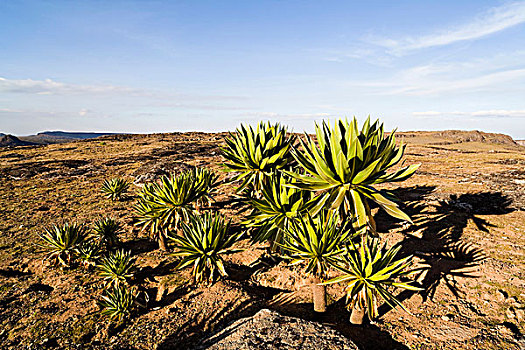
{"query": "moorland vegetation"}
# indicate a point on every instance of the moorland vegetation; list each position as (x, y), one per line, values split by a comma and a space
(310, 198)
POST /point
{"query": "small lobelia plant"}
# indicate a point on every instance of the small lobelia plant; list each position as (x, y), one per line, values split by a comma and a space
(256, 153)
(371, 271)
(117, 267)
(162, 206)
(115, 189)
(207, 181)
(344, 166)
(317, 242)
(88, 253)
(106, 230)
(118, 302)
(277, 207)
(61, 241)
(203, 243)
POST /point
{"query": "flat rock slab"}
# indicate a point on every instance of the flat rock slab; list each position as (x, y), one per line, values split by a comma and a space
(270, 330)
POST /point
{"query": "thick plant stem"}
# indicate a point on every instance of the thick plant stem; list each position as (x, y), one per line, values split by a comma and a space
(370, 219)
(271, 249)
(162, 243)
(319, 295)
(358, 314)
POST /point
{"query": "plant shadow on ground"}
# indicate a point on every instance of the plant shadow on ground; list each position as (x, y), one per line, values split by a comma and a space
(238, 203)
(436, 236)
(13, 273)
(241, 273)
(191, 334)
(140, 245)
(154, 274)
(367, 336)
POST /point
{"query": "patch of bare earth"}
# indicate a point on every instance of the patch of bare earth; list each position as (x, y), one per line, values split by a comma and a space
(467, 202)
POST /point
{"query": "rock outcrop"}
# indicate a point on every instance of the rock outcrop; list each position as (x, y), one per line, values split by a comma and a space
(13, 141)
(270, 330)
(460, 136)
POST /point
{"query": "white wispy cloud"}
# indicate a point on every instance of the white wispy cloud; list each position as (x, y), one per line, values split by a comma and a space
(10, 110)
(447, 85)
(51, 87)
(500, 72)
(500, 113)
(427, 114)
(84, 112)
(491, 113)
(492, 21)
(283, 116)
(202, 106)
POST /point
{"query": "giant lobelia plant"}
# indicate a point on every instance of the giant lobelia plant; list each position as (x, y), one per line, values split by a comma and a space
(203, 243)
(115, 189)
(371, 272)
(162, 206)
(256, 153)
(117, 267)
(118, 302)
(275, 209)
(317, 242)
(345, 165)
(61, 242)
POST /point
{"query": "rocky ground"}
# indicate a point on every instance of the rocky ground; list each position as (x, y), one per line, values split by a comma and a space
(467, 202)
(268, 329)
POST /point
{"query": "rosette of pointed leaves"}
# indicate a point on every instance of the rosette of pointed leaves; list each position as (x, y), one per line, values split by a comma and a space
(61, 241)
(370, 271)
(203, 243)
(318, 243)
(207, 181)
(88, 253)
(106, 231)
(114, 189)
(162, 206)
(345, 164)
(117, 267)
(257, 153)
(117, 303)
(277, 207)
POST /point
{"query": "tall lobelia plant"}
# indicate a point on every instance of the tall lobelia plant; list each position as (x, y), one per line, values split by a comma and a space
(317, 242)
(254, 154)
(345, 165)
(371, 272)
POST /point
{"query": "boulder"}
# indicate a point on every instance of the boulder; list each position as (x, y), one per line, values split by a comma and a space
(270, 330)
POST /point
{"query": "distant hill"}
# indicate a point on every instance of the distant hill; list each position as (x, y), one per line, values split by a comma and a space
(458, 136)
(13, 141)
(49, 137)
(74, 135)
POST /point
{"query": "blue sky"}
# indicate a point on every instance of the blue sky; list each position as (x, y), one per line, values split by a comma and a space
(159, 66)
